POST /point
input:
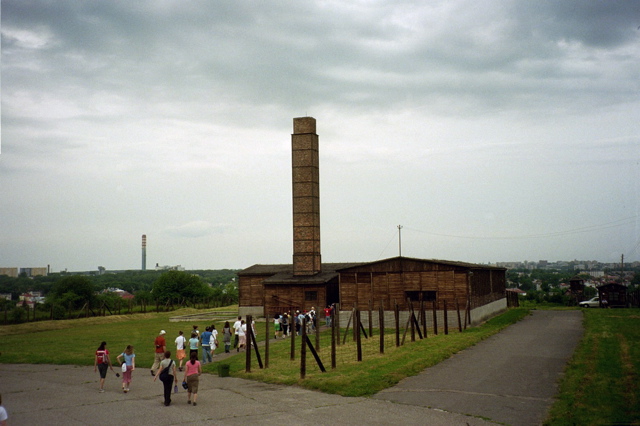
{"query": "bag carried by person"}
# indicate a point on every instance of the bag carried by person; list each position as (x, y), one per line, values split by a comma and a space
(124, 367)
(164, 374)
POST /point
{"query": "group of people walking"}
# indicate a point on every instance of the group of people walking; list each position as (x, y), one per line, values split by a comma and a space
(164, 368)
(283, 324)
(167, 373)
(102, 363)
(208, 341)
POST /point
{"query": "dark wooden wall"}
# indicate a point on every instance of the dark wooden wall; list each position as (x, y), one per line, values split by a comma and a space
(250, 289)
(383, 282)
(388, 282)
(487, 285)
(292, 297)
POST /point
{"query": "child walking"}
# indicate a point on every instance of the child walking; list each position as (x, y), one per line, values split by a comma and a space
(130, 362)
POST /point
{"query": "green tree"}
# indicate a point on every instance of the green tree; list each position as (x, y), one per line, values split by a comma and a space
(19, 315)
(73, 291)
(108, 300)
(176, 286)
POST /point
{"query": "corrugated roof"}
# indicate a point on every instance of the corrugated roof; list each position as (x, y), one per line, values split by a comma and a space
(284, 273)
(438, 261)
(288, 268)
(288, 278)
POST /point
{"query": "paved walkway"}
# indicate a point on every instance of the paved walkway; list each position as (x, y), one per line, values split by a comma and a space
(508, 378)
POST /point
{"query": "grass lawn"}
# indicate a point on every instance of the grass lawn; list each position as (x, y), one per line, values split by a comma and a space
(601, 385)
(75, 341)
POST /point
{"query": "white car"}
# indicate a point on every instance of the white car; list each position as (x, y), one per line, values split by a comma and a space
(591, 303)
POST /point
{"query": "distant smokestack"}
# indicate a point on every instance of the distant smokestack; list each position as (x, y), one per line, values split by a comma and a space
(306, 197)
(144, 252)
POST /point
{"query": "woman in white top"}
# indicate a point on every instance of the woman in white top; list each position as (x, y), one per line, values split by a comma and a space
(181, 345)
(214, 339)
(242, 334)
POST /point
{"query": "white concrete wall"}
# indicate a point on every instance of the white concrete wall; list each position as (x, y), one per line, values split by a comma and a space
(255, 311)
(485, 312)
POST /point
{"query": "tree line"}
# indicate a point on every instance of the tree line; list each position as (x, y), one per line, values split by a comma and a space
(66, 292)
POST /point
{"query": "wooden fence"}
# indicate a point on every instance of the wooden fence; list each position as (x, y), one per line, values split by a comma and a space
(414, 327)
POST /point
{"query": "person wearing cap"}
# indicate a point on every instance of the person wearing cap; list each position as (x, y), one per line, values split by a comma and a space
(161, 347)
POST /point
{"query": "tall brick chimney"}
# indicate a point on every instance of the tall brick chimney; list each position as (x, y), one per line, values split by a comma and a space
(306, 197)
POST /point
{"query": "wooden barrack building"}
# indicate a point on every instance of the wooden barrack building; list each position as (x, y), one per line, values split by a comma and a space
(265, 290)
(269, 289)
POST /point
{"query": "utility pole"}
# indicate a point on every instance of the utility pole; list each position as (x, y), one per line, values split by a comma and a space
(400, 240)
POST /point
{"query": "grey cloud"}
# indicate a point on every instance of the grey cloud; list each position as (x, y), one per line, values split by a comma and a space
(600, 24)
(287, 53)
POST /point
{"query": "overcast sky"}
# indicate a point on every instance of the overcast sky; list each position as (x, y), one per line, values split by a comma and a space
(491, 131)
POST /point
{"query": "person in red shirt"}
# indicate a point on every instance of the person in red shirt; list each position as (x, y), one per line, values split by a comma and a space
(327, 316)
(161, 347)
(102, 362)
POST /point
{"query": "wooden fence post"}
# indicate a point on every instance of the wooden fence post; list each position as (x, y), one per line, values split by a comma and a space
(459, 318)
(446, 318)
(292, 333)
(247, 346)
(303, 349)
(334, 340)
(413, 328)
(356, 327)
(381, 326)
(254, 340)
(370, 319)
(435, 317)
(423, 314)
(396, 313)
(266, 341)
(358, 339)
(336, 319)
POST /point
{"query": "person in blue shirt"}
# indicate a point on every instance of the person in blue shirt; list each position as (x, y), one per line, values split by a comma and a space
(130, 362)
(206, 346)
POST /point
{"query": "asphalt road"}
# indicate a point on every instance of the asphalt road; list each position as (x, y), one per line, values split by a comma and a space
(509, 378)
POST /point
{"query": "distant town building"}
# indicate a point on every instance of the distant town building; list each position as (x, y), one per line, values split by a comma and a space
(30, 299)
(169, 268)
(10, 272)
(30, 272)
(119, 292)
(517, 291)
